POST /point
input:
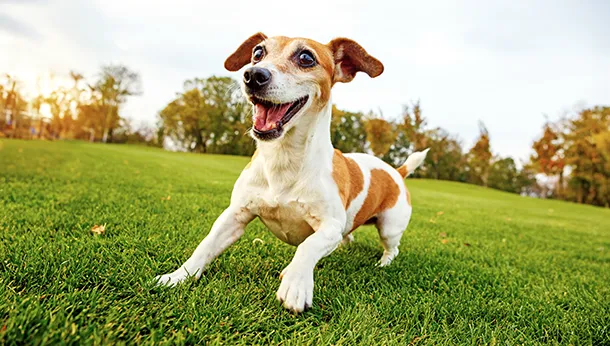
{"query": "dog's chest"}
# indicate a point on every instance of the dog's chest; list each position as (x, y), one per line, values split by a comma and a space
(288, 219)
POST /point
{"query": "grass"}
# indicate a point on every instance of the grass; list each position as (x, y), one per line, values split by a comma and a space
(477, 266)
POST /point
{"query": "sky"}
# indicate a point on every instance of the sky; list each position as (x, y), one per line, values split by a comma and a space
(509, 64)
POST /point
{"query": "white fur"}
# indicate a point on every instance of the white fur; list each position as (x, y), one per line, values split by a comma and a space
(415, 160)
(290, 187)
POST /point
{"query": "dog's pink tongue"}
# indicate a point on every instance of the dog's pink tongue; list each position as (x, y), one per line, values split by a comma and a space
(266, 118)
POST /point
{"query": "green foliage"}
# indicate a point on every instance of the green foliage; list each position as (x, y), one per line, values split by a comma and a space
(588, 157)
(503, 175)
(347, 131)
(579, 146)
(210, 116)
(445, 160)
(379, 135)
(492, 268)
(479, 158)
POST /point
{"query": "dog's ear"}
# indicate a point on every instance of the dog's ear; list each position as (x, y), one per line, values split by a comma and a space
(351, 58)
(241, 57)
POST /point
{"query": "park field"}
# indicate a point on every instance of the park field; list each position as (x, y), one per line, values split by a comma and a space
(476, 267)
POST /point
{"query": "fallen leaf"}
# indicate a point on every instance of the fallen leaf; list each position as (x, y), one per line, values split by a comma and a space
(445, 241)
(440, 213)
(442, 235)
(466, 244)
(432, 220)
(3, 329)
(417, 339)
(98, 229)
(166, 198)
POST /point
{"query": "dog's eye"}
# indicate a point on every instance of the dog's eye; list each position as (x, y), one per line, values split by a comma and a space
(306, 59)
(258, 54)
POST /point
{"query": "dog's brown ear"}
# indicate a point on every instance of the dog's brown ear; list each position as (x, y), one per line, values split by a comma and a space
(351, 58)
(241, 57)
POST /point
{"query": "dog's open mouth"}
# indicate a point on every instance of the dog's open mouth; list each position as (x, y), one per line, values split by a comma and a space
(270, 118)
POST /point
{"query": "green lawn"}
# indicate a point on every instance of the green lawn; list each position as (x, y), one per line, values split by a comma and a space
(476, 266)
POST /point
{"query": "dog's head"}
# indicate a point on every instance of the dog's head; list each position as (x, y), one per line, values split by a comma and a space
(290, 76)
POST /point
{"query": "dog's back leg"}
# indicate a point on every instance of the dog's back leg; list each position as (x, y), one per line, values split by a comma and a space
(391, 224)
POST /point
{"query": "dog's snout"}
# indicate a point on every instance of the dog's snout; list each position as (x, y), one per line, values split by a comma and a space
(256, 78)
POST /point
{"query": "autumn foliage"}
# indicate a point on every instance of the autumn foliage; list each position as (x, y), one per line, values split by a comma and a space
(570, 160)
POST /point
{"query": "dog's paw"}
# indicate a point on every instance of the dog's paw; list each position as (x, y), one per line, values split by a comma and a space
(172, 279)
(348, 239)
(296, 289)
(387, 258)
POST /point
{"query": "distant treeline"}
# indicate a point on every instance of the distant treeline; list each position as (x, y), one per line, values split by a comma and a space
(571, 159)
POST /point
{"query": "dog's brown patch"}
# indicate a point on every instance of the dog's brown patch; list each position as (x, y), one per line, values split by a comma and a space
(403, 170)
(243, 54)
(382, 194)
(350, 58)
(348, 177)
(281, 51)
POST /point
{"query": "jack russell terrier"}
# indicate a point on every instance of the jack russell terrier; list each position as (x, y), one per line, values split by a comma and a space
(306, 192)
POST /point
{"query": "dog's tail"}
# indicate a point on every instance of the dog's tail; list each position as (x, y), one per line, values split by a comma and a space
(413, 161)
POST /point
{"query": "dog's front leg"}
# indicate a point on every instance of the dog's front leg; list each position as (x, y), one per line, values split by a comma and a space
(226, 230)
(296, 289)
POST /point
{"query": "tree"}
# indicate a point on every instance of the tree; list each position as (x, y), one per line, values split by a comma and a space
(548, 156)
(445, 160)
(409, 134)
(587, 156)
(12, 104)
(116, 83)
(59, 105)
(479, 158)
(379, 134)
(210, 115)
(415, 126)
(503, 175)
(347, 131)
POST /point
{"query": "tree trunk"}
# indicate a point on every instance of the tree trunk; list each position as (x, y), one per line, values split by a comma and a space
(560, 186)
(40, 128)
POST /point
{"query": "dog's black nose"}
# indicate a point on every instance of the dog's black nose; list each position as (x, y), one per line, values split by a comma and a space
(257, 77)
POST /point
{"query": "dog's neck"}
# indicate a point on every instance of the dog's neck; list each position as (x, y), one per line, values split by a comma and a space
(303, 151)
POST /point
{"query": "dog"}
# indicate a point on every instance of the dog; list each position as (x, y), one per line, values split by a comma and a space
(307, 193)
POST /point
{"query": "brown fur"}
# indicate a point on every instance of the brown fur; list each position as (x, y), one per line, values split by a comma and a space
(403, 170)
(383, 194)
(348, 177)
(280, 51)
(351, 58)
(243, 55)
(338, 61)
